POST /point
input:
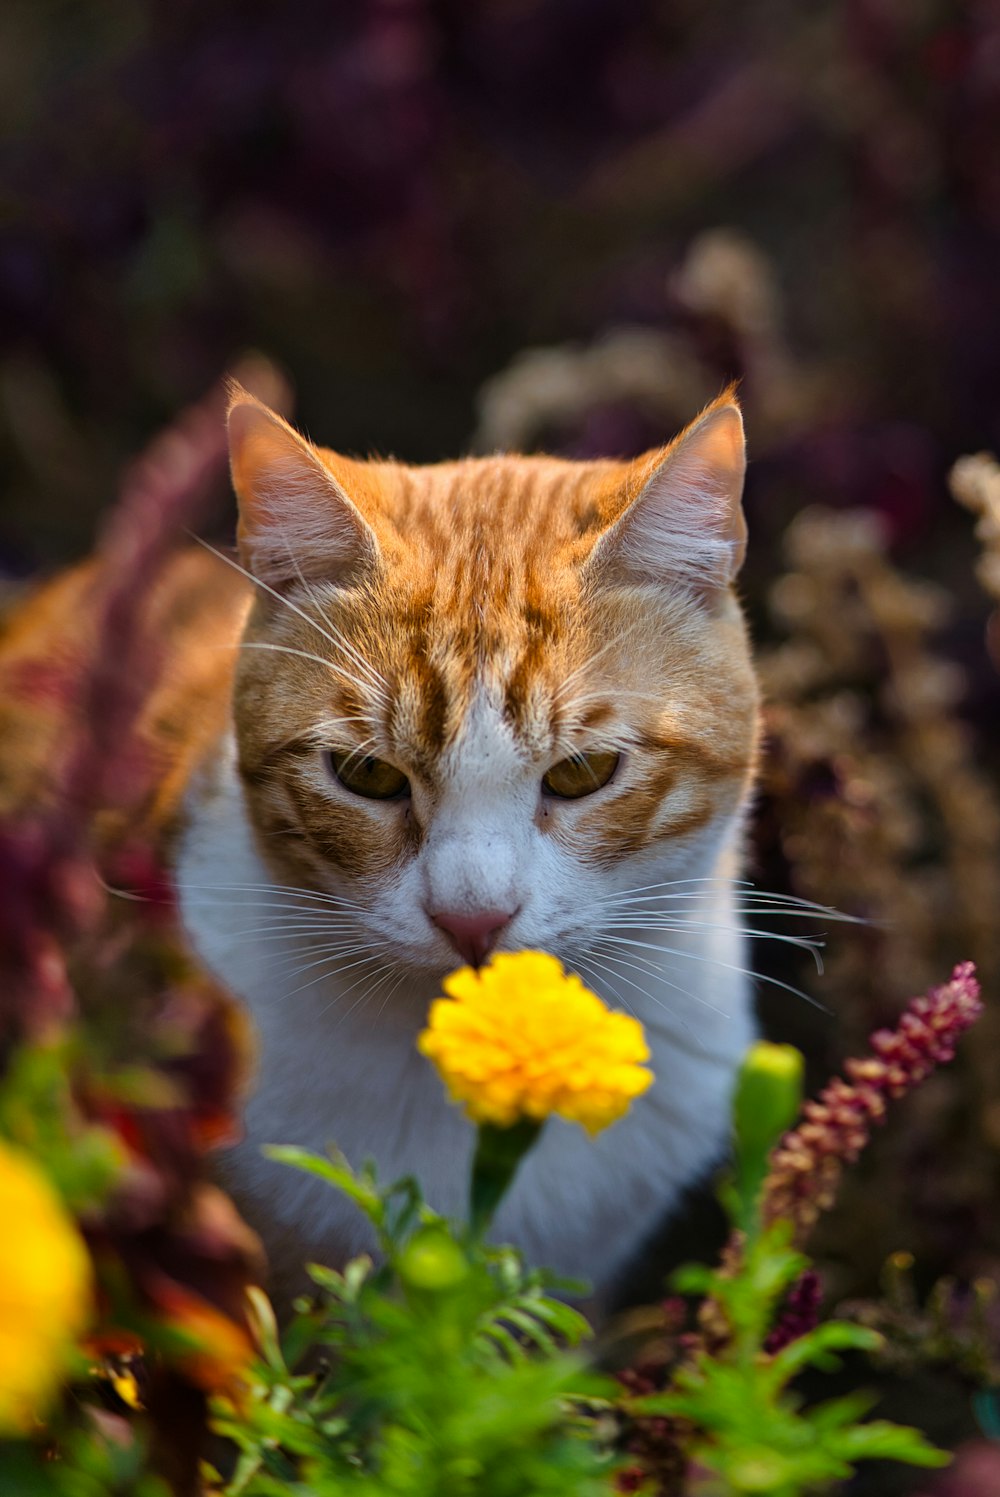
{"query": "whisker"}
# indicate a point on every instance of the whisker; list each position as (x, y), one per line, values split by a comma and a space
(317, 603)
(249, 905)
(357, 753)
(129, 894)
(283, 892)
(346, 943)
(323, 731)
(359, 1002)
(696, 1040)
(338, 643)
(784, 903)
(392, 990)
(291, 890)
(335, 669)
(314, 919)
(645, 993)
(648, 969)
(286, 932)
(641, 911)
(357, 983)
(603, 980)
(329, 961)
(803, 943)
(717, 962)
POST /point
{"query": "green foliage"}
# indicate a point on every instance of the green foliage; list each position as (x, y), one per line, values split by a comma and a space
(451, 1371)
(82, 1160)
(89, 1465)
(745, 1423)
(447, 1369)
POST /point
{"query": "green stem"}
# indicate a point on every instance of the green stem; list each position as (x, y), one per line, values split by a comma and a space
(499, 1151)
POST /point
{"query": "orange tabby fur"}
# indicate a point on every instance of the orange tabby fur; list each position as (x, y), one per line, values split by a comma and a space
(526, 608)
(481, 589)
(198, 605)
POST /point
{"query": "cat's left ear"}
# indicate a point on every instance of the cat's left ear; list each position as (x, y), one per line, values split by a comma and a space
(683, 521)
(296, 519)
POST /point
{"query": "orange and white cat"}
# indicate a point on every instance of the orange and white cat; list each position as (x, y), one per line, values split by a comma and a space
(493, 704)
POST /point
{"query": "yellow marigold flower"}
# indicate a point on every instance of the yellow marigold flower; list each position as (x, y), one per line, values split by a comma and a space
(45, 1290)
(522, 1038)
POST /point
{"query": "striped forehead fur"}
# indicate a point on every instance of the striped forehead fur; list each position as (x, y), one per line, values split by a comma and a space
(562, 602)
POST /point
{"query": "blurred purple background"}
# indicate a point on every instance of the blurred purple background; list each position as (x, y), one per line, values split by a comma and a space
(393, 198)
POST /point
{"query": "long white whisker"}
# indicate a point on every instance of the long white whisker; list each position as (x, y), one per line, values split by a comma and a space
(339, 944)
(789, 904)
(334, 958)
(320, 734)
(331, 961)
(357, 983)
(600, 965)
(129, 894)
(359, 1002)
(278, 915)
(249, 906)
(338, 930)
(641, 910)
(393, 989)
(604, 980)
(803, 943)
(336, 670)
(317, 603)
(338, 643)
(358, 752)
(288, 931)
(643, 965)
(717, 962)
(291, 890)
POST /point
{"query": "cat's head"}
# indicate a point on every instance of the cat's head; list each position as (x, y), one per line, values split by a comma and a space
(476, 699)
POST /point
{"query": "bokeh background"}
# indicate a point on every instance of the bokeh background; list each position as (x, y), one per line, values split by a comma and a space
(395, 198)
(566, 224)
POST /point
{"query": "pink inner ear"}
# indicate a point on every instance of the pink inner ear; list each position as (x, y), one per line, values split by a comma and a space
(686, 524)
(295, 520)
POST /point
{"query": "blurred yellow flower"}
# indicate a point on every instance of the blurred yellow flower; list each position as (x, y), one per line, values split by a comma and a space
(522, 1038)
(45, 1290)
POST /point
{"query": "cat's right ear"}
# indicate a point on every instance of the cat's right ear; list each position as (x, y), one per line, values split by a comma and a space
(682, 520)
(296, 522)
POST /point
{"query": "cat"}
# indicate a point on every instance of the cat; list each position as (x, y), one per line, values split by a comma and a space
(486, 705)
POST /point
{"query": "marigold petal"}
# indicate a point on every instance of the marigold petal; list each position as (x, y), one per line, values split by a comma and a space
(521, 1037)
(45, 1290)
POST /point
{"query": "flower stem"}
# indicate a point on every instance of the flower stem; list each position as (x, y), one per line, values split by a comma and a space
(499, 1151)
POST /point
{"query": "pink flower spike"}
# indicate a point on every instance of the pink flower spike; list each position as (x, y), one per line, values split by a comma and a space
(807, 1164)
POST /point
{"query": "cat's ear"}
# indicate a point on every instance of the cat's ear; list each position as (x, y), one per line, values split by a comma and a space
(683, 521)
(296, 521)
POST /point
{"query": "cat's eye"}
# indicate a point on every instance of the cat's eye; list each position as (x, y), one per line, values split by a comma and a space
(580, 774)
(363, 775)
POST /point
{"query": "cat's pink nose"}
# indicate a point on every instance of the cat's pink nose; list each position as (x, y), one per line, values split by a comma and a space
(473, 936)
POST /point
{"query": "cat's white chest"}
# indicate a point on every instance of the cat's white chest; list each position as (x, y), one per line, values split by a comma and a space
(334, 1069)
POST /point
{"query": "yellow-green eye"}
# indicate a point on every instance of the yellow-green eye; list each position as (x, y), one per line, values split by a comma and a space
(366, 776)
(580, 774)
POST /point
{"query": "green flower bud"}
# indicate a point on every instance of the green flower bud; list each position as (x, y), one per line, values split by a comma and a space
(768, 1095)
(766, 1103)
(432, 1262)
